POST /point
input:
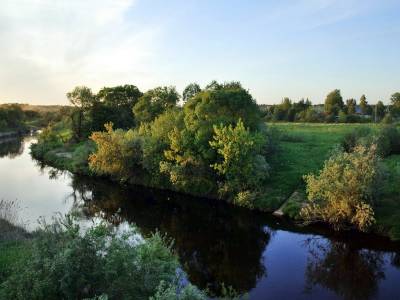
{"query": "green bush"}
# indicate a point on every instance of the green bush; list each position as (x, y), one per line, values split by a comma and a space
(68, 264)
(342, 193)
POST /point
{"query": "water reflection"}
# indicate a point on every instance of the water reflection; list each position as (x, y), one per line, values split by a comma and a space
(11, 147)
(215, 245)
(350, 272)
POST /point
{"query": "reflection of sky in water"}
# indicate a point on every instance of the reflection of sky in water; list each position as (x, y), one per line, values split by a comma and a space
(38, 196)
(212, 242)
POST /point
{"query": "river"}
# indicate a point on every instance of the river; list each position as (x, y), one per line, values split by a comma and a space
(255, 253)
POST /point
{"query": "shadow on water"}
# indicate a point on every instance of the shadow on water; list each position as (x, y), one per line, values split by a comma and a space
(221, 244)
(11, 147)
(215, 245)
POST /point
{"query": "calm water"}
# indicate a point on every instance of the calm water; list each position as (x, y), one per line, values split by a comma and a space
(216, 243)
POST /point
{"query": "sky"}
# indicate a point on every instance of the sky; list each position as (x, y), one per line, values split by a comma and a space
(293, 48)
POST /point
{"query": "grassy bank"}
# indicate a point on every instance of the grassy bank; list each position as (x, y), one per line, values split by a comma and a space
(302, 150)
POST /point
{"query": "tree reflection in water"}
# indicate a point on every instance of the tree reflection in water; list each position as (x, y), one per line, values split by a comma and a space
(11, 147)
(350, 272)
(216, 243)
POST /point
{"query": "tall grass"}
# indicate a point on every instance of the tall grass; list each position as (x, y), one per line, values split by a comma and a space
(11, 226)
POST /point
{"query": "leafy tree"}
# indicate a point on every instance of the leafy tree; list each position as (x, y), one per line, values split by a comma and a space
(351, 105)
(343, 192)
(333, 102)
(365, 108)
(118, 153)
(242, 167)
(117, 103)
(190, 91)
(395, 102)
(379, 110)
(188, 159)
(83, 99)
(154, 102)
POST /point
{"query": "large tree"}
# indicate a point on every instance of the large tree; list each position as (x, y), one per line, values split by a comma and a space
(154, 102)
(334, 102)
(395, 102)
(83, 99)
(116, 106)
(365, 108)
(190, 156)
(379, 110)
(190, 91)
(351, 106)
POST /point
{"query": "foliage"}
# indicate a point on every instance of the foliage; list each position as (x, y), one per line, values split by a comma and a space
(190, 91)
(365, 108)
(189, 158)
(169, 292)
(386, 139)
(333, 102)
(118, 152)
(11, 117)
(395, 101)
(342, 194)
(154, 102)
(351, 105)
(67, 263)
(242, 166)
(117, 103)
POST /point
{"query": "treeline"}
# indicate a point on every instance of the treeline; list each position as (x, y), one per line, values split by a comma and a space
(334, 110)
(215, 144)
(20, 117)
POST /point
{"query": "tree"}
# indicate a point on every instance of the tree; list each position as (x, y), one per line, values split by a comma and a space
(395, 102)
(83, 99)
(379, 110)
(351, 106)
(190, 91)
(342, 194)
(154, 102)
(333, 102)
(189, 157)
(242, 167)
(118, 153)
(364, 105)
(117, 103)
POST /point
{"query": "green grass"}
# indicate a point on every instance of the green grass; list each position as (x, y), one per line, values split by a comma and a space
(11, 252)
(387, 210)
(303, 149)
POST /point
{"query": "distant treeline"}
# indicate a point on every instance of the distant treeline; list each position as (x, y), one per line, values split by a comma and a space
(333, 110)
(20, 117)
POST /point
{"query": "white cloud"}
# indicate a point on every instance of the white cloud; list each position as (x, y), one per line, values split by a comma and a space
(52, 45)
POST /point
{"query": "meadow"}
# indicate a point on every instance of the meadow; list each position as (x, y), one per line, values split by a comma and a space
(303, 148)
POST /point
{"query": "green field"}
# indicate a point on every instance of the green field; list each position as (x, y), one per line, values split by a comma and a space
(304, 147)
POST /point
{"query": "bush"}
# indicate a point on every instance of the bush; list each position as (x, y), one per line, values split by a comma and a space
(353, 138)
(119, 153)
(49, 139)
(343, 192)
(68, 264)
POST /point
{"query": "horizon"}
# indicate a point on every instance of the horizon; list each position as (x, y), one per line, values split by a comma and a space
(301, 49)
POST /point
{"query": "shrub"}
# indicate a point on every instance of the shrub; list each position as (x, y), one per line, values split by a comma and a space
(101, 262)
(49, 139)
(353, 138)
(119, 152)
(342, 193)
(241, 164)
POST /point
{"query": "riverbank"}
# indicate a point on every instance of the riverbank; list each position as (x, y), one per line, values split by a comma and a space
(303, 148)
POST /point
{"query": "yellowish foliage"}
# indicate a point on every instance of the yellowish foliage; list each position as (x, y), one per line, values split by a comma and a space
(342, 193)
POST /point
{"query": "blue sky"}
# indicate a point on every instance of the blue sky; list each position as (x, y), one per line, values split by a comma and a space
(275, 48)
